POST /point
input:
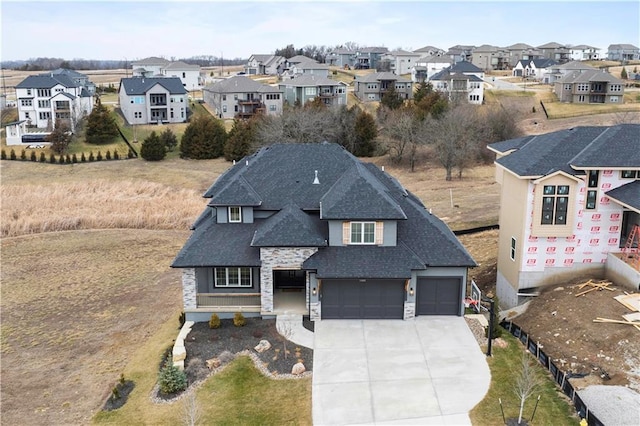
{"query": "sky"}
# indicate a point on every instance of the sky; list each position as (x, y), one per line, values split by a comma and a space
(130, 30)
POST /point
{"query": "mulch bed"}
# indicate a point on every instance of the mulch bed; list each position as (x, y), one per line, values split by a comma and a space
(204, 343)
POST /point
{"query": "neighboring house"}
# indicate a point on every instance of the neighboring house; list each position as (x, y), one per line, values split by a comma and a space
(372, 87)
(82, 80)
(145, 100)
(538, 69)
(521, 52)
(490, 58)
(242, 97)
(623, 52)
(306, 88)
(155, 67)
(460, 52)
(312, 224)
(427, 66)
(569, 201)
(400, 61)
(459, 87)
(17, 133)
(341, 57)
(429, 51)
(368, 57)
(583, 52)
(43, 98)
(558, 71)
(302, 65)
(592, 87)
(264, 64)
(556, 51)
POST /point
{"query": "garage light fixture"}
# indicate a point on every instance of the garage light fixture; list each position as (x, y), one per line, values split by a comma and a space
(314, 291)
(411, 291)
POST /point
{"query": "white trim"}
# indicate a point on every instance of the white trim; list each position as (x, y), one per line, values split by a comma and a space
(226, 284)
(362, 233)
(239, 220)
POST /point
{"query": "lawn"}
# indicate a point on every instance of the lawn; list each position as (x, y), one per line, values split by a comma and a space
(567, 110)
(505, 364)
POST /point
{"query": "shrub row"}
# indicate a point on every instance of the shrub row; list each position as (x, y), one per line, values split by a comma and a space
(63, 159)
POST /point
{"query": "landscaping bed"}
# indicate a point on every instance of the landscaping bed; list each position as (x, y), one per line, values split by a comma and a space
(204, 343)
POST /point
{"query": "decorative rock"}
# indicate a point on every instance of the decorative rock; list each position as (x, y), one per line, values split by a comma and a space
(213, 363)
(264, 345)
(179, 353)
(298, 369)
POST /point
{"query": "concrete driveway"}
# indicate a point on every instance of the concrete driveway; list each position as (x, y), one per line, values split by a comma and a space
(424, 371)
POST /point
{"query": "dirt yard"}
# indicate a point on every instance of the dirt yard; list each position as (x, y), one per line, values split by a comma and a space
(563, 324)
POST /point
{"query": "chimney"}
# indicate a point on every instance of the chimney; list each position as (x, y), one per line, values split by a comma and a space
(315, 179)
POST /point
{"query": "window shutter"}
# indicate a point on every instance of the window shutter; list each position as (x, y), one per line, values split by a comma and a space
(346, 233)
(379, 229)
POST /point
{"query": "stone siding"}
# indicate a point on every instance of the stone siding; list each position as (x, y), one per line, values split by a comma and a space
(314, 311)
(279, 258)
(409, 310)
(189, 288)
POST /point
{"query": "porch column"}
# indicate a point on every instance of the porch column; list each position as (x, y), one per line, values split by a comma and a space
(189, 288)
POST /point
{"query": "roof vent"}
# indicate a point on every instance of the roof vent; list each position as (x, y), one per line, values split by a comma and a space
(246, 163)
(315, 179)
(383, 168)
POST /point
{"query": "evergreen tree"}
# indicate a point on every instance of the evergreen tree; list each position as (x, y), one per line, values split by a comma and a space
(366, 132)
(169, 139)
(153, 149)
(204, 138)
(101, 126)
(423, 89)
(240, 140)
(60, 137)
(390, 98)
(623, 74)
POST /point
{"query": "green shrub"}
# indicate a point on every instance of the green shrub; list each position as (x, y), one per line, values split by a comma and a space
(61, 159)
(214, 322)
(52, 159)
(116, 156)
(107, 155)
(122, 380)
(91, 157)
(99, 156)
(3, 155)
(43, 158)
(115, 393)
(12, 155)
(171, 379)
(131, 154)
(238, 320)
(83, 159)
(74, 158)
(33, 156)
(67, 159)
(23, 155)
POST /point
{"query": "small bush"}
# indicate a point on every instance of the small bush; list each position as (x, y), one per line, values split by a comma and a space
(99, 156)
(83, 158)
(74, 158)
(115, 393)
(67, 159)
(181, 319)
(33, 156)
(23, 155)
(12, 155)
(61, 159)
(214, 322)
(107, 155)
(225, 357)
(238, 320)
(122, 380)
(533, 109)
(3, 155)
(91, 157)
(171, 379)
(196, 369)
(116, 156)
(130, 154)
(43, 158)
(52, 159)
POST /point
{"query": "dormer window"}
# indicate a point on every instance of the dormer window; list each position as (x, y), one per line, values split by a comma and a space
(235, 214)
(363, 232)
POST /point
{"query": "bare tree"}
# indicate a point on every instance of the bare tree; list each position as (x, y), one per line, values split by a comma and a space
(404, 133)
(454, 139)
(526, 383)
(191, 410)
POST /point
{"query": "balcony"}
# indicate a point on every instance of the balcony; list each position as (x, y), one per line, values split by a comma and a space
(249, 101)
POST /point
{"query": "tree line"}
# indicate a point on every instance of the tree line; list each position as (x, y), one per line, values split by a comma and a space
(47, 64)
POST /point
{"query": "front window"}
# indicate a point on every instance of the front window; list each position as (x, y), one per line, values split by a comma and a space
(555, 202)
(592, 194)
(233, 277)
(235, 214)
(363, 232)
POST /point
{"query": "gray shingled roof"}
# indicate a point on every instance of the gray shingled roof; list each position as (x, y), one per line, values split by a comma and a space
(519, 46)
(464, 67)
(291, 227)
(571, 150)
(282, 175)
(447, 75)
(302, 80)
(379, 76)
(210, 242)
(588, 76)
(623, 46)
(628, 194)
(68, 72)
(180, 65)
(140, 85)
(237, 193)
(551, 45)
(235, 84)
(46, 81)
(575, 65)
(152, 60)
(543, 62)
